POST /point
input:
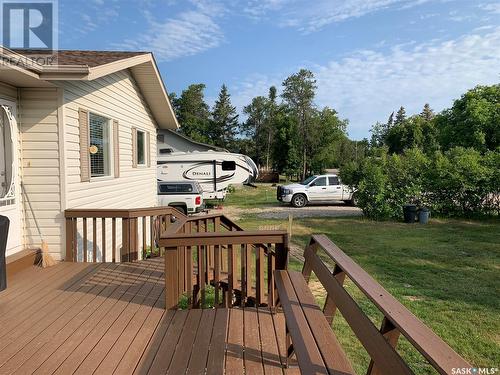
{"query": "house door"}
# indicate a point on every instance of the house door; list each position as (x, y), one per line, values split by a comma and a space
(9, 176)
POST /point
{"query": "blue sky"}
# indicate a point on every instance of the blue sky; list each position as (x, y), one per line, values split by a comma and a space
(369, 56)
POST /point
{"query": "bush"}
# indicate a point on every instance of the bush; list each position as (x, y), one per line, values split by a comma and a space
(460, 182)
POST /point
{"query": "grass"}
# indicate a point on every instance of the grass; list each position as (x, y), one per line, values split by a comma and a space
(446, 273)
(249, 197)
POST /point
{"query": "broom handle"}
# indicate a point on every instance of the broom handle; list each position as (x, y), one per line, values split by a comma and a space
(32, 212)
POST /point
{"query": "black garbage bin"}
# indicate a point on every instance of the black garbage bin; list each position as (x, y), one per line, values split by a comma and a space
(4, 232)
(410, 213)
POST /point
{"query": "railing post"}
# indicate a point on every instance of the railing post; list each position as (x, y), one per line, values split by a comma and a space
(306, 268)
(129, 239)
(69, 240)
(282, 254)
(330, 306)
(259, 273)
(391, 334)
(271, 266)
(171, 278)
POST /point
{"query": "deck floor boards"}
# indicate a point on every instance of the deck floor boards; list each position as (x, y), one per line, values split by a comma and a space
(109, 319)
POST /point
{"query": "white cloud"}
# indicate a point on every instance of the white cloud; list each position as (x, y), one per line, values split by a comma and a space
(366, 86)
(305, 17)
(188, 33)
(255, 85)
(491, 7)
(97, 16)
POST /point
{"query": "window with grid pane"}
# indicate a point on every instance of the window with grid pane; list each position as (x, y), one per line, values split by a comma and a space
(99, 137)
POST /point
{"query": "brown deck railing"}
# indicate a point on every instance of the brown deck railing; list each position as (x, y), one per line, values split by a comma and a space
(199, 251)
(212, 250)
(122, 232)
(397, 319)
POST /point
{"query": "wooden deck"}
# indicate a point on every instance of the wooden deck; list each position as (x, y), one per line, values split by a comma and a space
(110, 318)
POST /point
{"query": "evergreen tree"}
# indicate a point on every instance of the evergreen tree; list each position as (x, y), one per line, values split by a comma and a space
(400, 116)
(427, 113)
(224, 120)
(390, 121)
(192, 112)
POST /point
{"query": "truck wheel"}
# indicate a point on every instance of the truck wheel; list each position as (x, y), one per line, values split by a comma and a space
(182, 209)
(354, 200)
(299, 200)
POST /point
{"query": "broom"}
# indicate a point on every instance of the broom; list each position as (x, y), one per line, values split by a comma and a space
(45, 260)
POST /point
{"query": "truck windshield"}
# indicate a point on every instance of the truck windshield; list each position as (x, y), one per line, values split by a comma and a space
(308, 180)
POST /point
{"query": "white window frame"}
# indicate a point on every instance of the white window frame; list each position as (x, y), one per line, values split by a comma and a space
(145, 147)
(110, 146)
(9, 199)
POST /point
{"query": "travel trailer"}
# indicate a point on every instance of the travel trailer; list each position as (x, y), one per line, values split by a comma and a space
(214, 170)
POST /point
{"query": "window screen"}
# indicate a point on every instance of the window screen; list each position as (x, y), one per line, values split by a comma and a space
(99, 137)
(141, 148)
(333, 180)
(228, 165)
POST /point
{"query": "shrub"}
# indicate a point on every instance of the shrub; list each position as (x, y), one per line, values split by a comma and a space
(460, 182)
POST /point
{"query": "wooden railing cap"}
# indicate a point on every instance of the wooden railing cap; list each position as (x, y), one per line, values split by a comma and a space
(122, 212)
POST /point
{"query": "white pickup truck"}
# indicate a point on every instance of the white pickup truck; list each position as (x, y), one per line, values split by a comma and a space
(324, 188)
(186, 196)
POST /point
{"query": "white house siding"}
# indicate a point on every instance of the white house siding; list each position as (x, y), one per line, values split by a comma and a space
(116, 97)
(40, 162)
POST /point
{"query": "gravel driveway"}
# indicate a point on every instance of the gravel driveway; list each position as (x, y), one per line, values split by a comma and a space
(282, 211)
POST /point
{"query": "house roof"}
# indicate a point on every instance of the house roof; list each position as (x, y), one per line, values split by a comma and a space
(25, 70)
(83, 57)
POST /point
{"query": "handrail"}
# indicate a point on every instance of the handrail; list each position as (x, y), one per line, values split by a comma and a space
(223, 238)
(121, 213)
(116, 232)
(397, 318)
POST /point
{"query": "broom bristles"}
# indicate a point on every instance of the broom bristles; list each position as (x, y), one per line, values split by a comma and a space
(46, 259)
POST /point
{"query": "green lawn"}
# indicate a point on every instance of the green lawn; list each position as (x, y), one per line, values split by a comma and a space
(446, 273)
(264, 195)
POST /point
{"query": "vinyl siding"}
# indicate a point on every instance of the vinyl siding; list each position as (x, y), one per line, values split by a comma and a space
(41, 172)
(116, 97)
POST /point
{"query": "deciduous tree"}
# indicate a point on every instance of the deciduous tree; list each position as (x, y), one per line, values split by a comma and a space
(298, 93)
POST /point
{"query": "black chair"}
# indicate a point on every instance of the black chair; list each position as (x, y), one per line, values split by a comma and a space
(4, 232)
